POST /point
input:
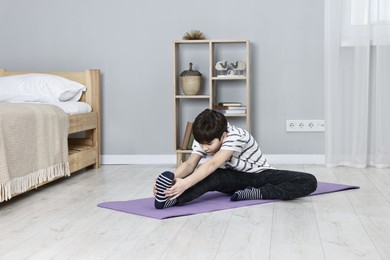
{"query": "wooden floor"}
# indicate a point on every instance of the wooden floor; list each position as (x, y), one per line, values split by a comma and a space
(61, 221)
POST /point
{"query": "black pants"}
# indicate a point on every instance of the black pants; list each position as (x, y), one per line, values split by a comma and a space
(274, 184)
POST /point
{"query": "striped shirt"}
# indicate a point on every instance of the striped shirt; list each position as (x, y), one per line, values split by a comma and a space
(247, 156)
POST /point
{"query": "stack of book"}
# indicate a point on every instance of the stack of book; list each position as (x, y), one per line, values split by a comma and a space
(230, 108)
(188, 138)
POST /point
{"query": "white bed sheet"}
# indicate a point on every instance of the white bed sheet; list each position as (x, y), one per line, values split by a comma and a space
(70, 107)
(73, 107)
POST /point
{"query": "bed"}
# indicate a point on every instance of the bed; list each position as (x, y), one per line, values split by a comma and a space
(73, 138)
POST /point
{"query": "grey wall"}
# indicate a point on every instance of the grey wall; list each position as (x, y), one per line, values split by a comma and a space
(131, 42)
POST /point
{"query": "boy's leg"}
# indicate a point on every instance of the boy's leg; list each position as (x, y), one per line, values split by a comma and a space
(164, 181)
(277, 184)
(222, 180)
(274, 184)
(269, 184)
(226, 181)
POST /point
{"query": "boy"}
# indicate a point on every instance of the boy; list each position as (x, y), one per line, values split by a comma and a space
(237, 167)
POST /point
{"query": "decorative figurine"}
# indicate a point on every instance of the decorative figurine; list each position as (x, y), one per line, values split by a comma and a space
(239, 67)
(221, 67)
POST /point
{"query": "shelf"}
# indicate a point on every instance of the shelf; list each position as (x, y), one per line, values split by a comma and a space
(211, 41)
(229, 78)
(193, 97)
(235, 115)
(215, 87)
(183, 151)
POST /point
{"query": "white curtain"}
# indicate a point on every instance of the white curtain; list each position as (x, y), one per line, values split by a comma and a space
(357, 83)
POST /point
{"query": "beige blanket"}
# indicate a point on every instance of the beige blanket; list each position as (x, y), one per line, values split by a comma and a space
(33, 146)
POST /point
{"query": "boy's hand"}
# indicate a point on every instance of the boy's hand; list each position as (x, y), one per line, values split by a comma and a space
(155, 188)
(177, 189)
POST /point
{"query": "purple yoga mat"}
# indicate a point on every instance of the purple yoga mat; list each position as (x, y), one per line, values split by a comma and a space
(211, 201)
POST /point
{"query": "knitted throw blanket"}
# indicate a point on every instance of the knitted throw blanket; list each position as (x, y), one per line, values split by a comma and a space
(33, 146)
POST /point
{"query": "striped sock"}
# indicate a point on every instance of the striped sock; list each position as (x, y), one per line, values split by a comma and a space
(170, 203)
(164, 181)
(249, 193)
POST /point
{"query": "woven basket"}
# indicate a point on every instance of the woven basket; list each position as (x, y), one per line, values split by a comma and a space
(190, 81)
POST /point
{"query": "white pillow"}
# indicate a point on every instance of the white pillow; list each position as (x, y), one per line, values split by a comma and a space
(46, 86)
(26, 98)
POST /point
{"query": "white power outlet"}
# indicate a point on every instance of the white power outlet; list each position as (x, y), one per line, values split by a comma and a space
(305, 125)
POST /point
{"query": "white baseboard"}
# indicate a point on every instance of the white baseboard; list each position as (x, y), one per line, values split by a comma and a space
(139, 159)
(171, 159)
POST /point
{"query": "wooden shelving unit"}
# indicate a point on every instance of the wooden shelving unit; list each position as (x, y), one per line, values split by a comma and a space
(204, 54)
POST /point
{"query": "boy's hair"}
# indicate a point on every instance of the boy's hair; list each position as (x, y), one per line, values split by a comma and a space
(209, 125)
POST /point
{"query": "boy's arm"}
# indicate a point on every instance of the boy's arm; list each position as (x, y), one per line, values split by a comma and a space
(187, 167)
(201, 173)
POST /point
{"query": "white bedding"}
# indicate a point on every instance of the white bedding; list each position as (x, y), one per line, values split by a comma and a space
(50, 87)
(70, 107)
(44, 89)
(73, 108)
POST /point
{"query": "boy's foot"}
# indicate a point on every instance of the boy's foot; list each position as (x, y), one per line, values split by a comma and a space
(249, 193)
(164, 181)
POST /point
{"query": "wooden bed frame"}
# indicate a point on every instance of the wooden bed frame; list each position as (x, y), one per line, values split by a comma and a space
(85, 151)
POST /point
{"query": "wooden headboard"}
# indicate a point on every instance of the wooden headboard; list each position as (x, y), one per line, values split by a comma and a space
(90, 78)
